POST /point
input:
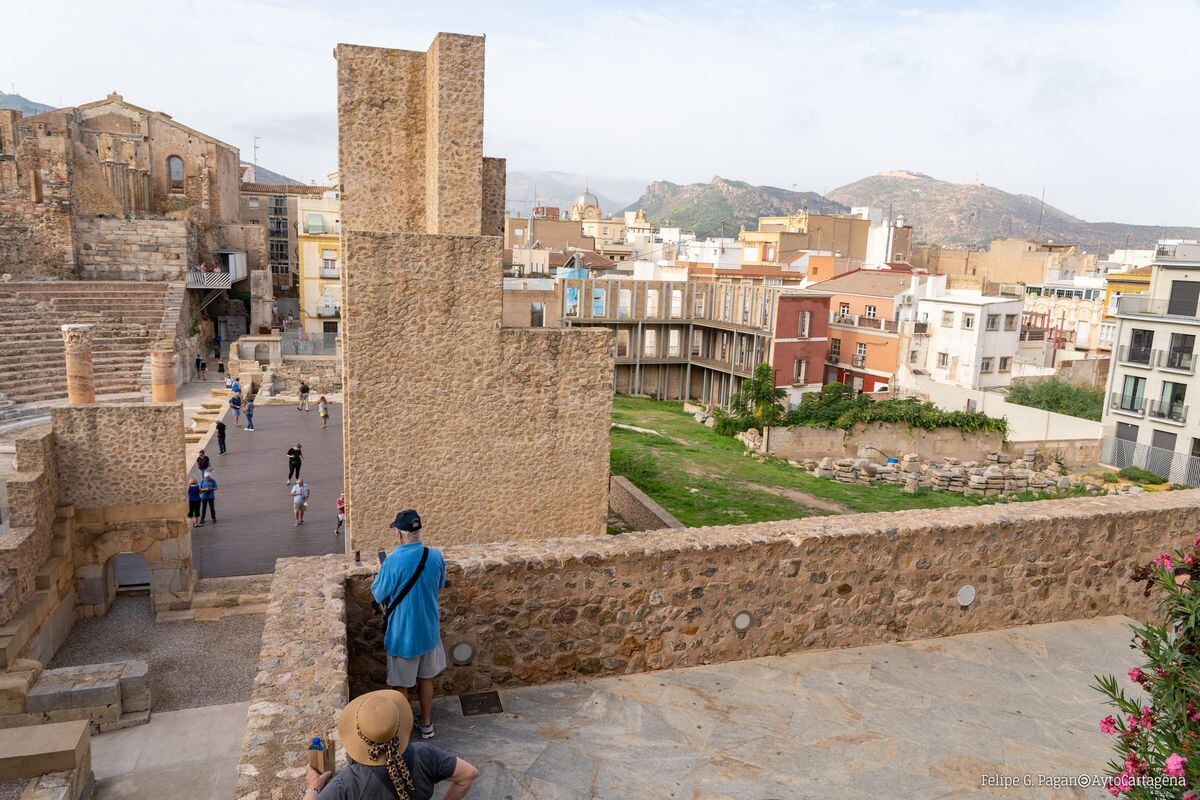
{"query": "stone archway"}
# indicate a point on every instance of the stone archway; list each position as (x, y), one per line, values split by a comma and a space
(104, 562)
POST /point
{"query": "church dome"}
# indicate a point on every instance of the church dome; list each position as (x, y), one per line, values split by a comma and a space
(586, 199)
(586, 206)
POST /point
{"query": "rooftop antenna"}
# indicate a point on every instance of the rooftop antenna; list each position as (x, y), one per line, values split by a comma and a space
(256, 139)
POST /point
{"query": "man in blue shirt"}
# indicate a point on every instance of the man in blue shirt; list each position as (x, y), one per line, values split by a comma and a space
(413, 640)
(208, 496)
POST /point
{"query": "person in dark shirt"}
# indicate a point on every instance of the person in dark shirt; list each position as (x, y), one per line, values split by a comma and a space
(220, 438)
(295, 461)
(375, 729)
(304, 390)
(194, 501)
(202, 462)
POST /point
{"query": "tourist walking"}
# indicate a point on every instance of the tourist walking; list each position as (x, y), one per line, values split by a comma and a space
(217, 346)
(304, 390)
(407, 588)
(201, 463)
(220, 438)
(299, 500)
(208, 496)
(237, 386)
(295, 460)
(341, 514)
(203, 370)
(323, 410)
(196, 364)
(221, 367)
(194, 501)
(375, 729)
(235, 405)
(248, 408)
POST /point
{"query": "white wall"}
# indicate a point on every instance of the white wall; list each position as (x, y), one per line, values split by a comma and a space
(968, 347)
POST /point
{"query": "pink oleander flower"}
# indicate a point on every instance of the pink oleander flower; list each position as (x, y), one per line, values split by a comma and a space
(1108, 725)
(1191, 796)
(1196, 541)
(1189, 559)
(1173, 766)
(1164, 560)
(1136, 675)
(1162, 673)
(1134, 766)
(1120, 785)
(1147, 718)
(1131, 723)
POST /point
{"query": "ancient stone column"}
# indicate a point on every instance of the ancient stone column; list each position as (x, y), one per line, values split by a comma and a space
(162, 375)
(81, 385)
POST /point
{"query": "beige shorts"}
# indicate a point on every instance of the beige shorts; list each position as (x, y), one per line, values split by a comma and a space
(404, 672)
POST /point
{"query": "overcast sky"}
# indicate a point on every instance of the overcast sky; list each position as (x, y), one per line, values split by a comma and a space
(1096, 100)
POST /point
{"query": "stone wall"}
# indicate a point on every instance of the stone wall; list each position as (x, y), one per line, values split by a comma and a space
(120, 454)
(425, 358)
(562, 610)
(323, 374)
(892, 439)
(132, 249)
(32, 497)
(36, 223)
(636, 507)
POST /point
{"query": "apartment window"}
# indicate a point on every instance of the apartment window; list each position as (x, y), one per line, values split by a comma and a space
(252, 202)
(1005, 364)
(943, 360)
(277, 251)
(835, 348)
(993, 322)
(652, 302)
(913, 356)
(1195, 448)
(329, 326)
(697, 342)
(968, 322)
(800, 371)
(1182, 352)
(699, 306)
(805, 323)
(329, 259)
(844, 309)
(870, 312)
(280, 269)
(1010, 322)
(537, 315)
(860, 349)
(606, 231)
(985, 365)
(598, 298)
(1170, 404)
(676, 303)
(314, 223)
(673, 343)
(649, 342)
(622, 343)
(624, 302)
(947, 319)
(1133, 393)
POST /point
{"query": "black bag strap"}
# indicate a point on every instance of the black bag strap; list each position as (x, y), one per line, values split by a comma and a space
(392, 606)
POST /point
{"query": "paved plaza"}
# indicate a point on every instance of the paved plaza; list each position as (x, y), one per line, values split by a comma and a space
(924, 719)
(254, 509)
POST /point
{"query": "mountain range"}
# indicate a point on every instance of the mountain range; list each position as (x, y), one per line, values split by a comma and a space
(23, 104)
(559, 190)
(940, 212)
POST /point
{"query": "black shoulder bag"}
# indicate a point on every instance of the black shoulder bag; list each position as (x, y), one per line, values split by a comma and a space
(392, 606)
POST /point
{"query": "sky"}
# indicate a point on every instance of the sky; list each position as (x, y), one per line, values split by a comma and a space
(1095, 101)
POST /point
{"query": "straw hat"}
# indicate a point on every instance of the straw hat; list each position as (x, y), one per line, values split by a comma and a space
(375, 718)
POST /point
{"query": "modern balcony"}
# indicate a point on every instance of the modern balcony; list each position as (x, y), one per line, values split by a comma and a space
(1146, 306)
(330, 272)
(1168, 412)
(833, 357)
(858, 360)
(860, 321)
(329, 311)
(1127, 404)
(1137, 356)
(1177, 361)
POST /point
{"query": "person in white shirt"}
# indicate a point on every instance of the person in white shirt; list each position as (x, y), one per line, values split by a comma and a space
(299, 500)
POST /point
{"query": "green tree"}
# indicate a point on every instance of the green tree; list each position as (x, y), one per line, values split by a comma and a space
(759, 400)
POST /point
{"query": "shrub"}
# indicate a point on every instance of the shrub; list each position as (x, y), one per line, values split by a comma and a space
(836, 406)
(1110, 477)
(1157, 736)
(1139, 475)
(1059, 396)
(730, 424)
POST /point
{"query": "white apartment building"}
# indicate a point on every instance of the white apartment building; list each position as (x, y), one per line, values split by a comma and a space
(1152, 419)
(973, 337)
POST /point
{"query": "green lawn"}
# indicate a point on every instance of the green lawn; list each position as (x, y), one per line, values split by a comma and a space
(702, 478)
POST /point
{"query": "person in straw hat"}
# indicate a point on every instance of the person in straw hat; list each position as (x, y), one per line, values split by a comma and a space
(375, 728)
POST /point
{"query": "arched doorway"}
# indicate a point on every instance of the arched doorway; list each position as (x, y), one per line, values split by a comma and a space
(130, 571)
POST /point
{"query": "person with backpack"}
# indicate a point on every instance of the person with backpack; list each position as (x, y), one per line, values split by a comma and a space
(248, 408)
(304, 390)
(407, 589)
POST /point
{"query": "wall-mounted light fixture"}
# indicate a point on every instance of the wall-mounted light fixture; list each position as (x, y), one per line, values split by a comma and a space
(461, 653)
(966, 595)
(742, 621)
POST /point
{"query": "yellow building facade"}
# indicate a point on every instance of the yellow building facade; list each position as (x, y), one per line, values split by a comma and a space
(320, 263)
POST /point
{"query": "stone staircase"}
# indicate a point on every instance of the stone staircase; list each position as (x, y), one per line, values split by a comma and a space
(128, 317)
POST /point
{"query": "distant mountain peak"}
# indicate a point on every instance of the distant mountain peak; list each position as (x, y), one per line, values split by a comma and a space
(906, 174)
(23, 104)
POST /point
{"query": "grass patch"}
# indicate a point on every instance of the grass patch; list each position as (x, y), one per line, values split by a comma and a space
(1139, 475)
(699, 476)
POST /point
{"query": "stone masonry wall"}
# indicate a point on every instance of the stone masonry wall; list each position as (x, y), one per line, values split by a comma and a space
(132, 249)
(32, 497)
(549, 611)
(636, 508)
(893, 439)
(425, 357)
(120, 454)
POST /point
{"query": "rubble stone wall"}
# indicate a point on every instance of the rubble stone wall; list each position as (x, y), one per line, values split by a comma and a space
(132, 249)
(893, 439)
(539, 612)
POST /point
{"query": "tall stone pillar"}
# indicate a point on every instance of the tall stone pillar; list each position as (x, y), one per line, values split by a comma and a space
(162, 375)
(81, 384)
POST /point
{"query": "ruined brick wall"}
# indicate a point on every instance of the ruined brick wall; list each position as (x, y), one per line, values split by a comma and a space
(36, 225)
(120, 454)
(553, 611)
(113, 249)
(494, 434)
(636, 508)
